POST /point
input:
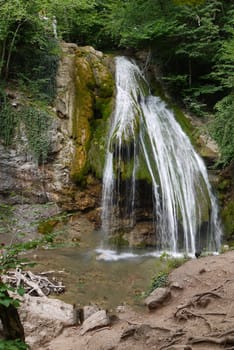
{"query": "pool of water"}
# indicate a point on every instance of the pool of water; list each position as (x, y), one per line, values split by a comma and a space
(105, 277)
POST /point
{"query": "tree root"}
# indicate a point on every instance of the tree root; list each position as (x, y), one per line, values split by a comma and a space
(172, 340)
(222, 338)
(189, 314)
(201, 299)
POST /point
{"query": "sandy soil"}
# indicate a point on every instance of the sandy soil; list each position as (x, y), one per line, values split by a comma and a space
(199, 315)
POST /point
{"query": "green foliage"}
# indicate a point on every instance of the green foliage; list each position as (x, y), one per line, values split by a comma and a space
(227, 216)
(171, 263)
(222, 127)
(159, 281)
(12, 345)
(36, 121)
(191, 41)
(39, 79)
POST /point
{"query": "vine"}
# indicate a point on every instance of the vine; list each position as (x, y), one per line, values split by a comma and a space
(8, 119)
(37, 123)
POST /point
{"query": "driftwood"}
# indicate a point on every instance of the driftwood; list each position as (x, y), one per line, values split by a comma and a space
(36, 285)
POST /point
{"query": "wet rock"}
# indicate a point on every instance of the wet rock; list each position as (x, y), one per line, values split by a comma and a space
(97, 320)
(157, 298)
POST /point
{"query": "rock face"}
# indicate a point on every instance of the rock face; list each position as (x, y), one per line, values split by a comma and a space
(70, 176)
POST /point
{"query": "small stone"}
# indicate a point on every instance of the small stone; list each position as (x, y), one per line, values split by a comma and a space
(202, 271)
(176, 285)
(121, 309)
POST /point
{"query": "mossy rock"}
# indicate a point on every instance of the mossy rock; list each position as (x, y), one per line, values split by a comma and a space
(79, 165)
(47, 226)
(118, 240)
(227, 215)
(97, 150)
(94, 91)
(103, 107)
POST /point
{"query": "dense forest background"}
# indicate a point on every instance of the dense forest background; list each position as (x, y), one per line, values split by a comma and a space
(191, 41)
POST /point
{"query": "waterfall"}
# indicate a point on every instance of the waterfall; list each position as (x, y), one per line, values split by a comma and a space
(144, 133)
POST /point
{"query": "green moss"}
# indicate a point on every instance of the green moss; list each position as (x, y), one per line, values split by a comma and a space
(47, 226)
(228, 220)
(79, 176)
(94, 90)
(143, 171)
(184, 123)
(118, 240)
(103, 107)
(179, 115)
(97, 151)
(224, 184)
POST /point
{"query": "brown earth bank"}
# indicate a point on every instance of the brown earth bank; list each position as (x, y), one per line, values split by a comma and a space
(198, 315)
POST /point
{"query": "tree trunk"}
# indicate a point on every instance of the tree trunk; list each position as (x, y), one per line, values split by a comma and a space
(12, 326)
(11, 49)
(190, 72)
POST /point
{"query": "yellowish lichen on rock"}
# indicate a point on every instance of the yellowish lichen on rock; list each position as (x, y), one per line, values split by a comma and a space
(93, 102)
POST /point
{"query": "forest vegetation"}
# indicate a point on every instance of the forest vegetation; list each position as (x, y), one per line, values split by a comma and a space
(190, 40)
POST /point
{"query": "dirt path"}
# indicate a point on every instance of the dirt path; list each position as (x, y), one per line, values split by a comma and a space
(199, 315)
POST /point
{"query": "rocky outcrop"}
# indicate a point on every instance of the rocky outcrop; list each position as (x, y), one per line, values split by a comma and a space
(76, 133)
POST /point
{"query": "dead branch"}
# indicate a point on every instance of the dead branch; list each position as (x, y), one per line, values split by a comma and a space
(37, 285)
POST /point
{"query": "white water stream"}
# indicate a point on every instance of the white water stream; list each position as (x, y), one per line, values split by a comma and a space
(142, 127)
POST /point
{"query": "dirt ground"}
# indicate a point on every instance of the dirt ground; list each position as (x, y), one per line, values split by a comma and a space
(198, 316)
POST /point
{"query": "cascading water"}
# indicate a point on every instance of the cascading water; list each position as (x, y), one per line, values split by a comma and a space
(144, 131)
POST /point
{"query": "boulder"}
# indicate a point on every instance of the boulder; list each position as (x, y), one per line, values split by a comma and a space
(44, 318)
(97, 320)
(157, 298)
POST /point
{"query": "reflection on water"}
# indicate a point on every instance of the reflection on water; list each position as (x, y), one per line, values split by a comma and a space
(90, 279)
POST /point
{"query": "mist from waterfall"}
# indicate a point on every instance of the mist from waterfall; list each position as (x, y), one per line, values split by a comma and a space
(144, 131)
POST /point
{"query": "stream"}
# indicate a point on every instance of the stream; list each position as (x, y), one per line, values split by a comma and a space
(121, 279)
